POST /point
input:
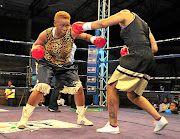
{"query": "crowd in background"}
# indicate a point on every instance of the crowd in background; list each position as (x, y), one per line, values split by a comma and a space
(168, 107)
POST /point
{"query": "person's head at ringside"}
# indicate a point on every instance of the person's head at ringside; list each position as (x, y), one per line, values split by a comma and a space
(9, 83)
(173, 106)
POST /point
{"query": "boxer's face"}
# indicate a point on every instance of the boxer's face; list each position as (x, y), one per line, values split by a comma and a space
(62, 25)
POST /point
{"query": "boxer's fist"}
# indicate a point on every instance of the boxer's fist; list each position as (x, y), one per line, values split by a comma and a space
(124, 51)
(78, 27)
(37, 52)
(100, 42)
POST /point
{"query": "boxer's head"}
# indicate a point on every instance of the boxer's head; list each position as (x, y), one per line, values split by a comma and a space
(62, 22)
(62, 14)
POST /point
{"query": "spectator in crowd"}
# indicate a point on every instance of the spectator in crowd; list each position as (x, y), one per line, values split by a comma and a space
(164, 105)
(10, 94)
(173, 109)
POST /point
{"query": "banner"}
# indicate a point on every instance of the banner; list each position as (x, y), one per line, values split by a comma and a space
(92, 70)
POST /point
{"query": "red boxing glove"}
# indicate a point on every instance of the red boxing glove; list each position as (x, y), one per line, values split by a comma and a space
(100, 42)
(77, 27)
(37, 52)
(124, 51)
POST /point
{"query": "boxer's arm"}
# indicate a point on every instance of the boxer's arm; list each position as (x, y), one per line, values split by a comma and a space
(110, 21)
(84, 36)
(98, 41)
(37, 50)
(42, 39)
(121, 17)
(154, 46)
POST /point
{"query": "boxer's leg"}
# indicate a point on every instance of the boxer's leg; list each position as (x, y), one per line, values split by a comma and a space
(113, 105)
(39, 90)
(79, 99)
(160, 121)
(72, 85)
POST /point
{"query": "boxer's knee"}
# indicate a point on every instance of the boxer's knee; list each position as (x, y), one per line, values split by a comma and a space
(132, 96)
(73, 90)
(111, 86)
(42, 87)
(80, 90)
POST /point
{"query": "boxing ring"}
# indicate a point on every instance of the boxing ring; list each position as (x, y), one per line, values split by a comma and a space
(31, 72)
(129, 125)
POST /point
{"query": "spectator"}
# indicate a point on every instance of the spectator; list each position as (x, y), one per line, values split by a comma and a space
(10, 94)
(164, 105)
(173, 108)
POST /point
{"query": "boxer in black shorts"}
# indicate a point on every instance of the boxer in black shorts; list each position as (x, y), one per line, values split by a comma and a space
(55, 61)
(136, 64)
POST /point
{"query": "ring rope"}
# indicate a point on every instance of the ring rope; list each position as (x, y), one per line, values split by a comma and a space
(21, 88)
(146, 91)
(168, 40)
(25, 56)
(159, 41)
(167, 56)
(84, 49)
(81, 61)
(149, 91)
(82, 75)
(30, 43)
(116, 47)
(15, 73)
(171, 92)
(156, 57)
(16, 41)
(152, 78)
(21, 73)
(13, 55)
(165, 78)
